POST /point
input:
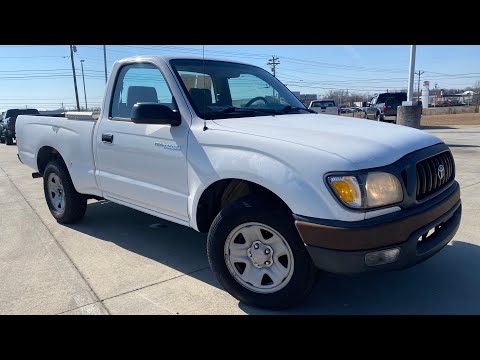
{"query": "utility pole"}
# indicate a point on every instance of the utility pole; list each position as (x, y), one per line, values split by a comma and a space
(411, 73)
(105, 61)
(73, 49)
(84, 91)
(418, 88)
(273, 62)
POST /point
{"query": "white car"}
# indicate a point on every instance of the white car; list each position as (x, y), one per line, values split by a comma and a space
(226, 149)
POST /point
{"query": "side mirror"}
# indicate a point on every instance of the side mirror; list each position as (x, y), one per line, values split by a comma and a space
(154, 113)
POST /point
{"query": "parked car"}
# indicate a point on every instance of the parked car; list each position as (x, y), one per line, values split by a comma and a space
(279, 190)
(324, 107)
(354, 109)
(8, 128)
(384, 104)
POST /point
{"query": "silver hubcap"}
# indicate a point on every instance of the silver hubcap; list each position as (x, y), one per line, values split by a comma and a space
(259, 258)
(56, 193)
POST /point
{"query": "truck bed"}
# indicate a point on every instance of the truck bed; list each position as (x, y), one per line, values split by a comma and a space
(70, 137)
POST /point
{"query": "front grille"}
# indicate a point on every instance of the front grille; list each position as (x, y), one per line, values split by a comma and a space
(431, 178)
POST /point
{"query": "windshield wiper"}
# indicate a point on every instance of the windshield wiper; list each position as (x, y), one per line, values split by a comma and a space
(252, 111)
(263, 110)
(229, 110)
(289, 108)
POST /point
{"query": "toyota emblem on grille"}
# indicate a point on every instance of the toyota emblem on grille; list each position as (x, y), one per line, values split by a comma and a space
(441, 172)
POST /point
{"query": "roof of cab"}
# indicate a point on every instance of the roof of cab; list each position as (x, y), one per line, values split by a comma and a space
(167, 58)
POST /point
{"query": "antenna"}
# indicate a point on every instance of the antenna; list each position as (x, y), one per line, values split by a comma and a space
(203, 98)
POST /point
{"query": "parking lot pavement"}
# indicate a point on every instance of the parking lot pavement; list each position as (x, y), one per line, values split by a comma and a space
(120, 261)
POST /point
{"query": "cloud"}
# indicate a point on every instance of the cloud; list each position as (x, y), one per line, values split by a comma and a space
(350, 50)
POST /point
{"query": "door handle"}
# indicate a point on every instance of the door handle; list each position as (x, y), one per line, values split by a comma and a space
(107, 138)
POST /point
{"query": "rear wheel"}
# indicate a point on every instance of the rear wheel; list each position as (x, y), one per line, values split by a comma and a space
(8, 140)
(65, 203)
(257, 255)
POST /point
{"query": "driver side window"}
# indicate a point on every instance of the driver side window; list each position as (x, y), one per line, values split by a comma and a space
(139, 83)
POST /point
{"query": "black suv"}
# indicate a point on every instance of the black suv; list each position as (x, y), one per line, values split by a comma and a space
(384, 104)
(7, 129)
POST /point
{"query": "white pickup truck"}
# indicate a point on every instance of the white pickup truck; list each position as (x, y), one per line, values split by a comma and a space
(226, 149)
(324, 107)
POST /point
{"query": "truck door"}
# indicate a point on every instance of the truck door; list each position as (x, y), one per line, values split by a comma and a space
(371, 107)
(142, 165)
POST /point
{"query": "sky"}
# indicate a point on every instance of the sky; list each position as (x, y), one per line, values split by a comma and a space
(40, 76)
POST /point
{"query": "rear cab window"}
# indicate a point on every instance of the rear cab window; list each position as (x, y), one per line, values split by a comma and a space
(16, 112)
(387, 98)
(323, 104)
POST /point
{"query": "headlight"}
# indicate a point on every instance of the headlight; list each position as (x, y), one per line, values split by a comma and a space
(367, 191)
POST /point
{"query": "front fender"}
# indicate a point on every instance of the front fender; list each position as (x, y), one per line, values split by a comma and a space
(208, 164)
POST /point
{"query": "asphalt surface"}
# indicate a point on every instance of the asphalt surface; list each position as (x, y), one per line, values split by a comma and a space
(121, 261)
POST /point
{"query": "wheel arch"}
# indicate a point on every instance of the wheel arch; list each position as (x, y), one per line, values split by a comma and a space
(44, 155)
(222, 192)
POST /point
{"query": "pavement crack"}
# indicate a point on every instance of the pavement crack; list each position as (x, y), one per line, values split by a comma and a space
(462, 188)
(60, 247)
(78, 307)
(156, 283)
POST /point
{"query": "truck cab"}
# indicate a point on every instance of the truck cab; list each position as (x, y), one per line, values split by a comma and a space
(8, 127)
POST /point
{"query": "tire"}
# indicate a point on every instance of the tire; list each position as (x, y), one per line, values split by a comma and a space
(276, 226)
(72, 206)
(2, 140)
(8, 140)
(379, 117)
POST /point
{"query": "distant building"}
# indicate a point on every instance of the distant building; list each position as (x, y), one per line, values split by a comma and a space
(464, 98)
(305, 98)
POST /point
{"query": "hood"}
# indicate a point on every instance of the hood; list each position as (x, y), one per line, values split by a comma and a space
(364, 143)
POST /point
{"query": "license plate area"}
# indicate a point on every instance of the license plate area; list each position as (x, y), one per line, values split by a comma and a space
(427, 236)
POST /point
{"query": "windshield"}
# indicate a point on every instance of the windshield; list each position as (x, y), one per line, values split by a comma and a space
(219, 89)
(325, 103)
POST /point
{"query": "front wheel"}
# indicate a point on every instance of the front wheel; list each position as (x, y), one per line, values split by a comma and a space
(8, 140)
(257, 255)
(65, 203)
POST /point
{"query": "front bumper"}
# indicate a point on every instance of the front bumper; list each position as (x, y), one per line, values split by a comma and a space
(342, 248)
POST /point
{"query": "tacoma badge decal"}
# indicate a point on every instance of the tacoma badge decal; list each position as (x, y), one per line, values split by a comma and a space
(168, 146)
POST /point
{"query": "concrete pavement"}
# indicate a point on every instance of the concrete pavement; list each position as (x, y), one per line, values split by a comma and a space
(120, 261)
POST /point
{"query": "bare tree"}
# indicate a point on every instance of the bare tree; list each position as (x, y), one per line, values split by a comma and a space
(476, 95)
(344, 97)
